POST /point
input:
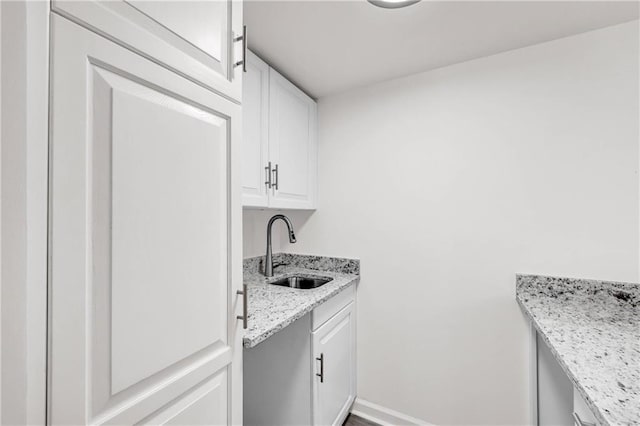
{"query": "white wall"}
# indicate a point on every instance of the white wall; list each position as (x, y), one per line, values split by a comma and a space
(446, 184)
(254, 232)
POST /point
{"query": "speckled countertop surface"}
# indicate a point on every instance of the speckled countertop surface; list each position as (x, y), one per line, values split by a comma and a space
(272, 308)
(593, 330)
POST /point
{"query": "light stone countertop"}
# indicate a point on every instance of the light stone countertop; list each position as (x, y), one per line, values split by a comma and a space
(271, 307)
(593, 330)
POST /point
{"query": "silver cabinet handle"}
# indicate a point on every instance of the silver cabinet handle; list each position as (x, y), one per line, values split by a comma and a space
(245, 304)
(276, 179)
(267, 170)
(321, 375)
(242, 38)
(579, 421)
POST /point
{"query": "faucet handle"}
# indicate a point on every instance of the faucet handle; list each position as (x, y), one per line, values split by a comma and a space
(275, 265)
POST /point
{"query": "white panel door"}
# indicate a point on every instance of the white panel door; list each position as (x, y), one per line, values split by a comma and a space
(255, 137)
(194, 38)
(334, 384)
(143, 270)
(292, 145)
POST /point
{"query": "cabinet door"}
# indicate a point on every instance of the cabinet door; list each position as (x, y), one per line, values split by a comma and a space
(142, 288)
(582, 414)
(555, 391)
(194, 38)
(255, 136)
(333, 347)
(292, 145)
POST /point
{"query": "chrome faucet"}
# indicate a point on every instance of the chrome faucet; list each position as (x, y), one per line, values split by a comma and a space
(268, 261)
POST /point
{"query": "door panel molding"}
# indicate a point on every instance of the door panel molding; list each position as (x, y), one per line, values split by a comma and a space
(208, 396)
(144, 398)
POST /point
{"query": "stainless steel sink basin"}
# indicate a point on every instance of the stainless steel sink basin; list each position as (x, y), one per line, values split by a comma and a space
(304, 283)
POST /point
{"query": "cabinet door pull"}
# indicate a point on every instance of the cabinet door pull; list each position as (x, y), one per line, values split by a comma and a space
(267, 171)
(242, 38)
(245, 302)
(276, 179)
(321, 375)
(580, 422)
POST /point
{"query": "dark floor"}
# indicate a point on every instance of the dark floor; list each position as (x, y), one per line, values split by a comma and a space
(357, 421)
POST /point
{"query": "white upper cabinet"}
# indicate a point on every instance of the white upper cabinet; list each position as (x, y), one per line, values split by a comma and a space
(280, 141)
(198, 39)
(255, 137)
(292, 145)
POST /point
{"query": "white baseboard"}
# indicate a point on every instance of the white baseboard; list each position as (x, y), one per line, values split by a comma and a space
(382, 415)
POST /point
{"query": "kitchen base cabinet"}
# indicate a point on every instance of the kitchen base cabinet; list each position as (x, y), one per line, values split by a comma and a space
(334, 355)
(306, 373)
(559, 402)
(582, 415)
(277, 378)
(555, 392)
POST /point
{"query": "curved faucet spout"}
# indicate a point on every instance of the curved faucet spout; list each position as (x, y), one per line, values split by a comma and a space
(268, 261)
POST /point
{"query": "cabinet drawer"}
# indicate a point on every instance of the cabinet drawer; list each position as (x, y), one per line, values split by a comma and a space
(324, 312)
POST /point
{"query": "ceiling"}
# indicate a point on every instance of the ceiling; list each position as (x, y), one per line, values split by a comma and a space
(329, 46)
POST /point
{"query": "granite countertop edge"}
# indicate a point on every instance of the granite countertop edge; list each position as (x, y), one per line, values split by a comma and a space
(271, 308)
(552, 287)
(250, 342)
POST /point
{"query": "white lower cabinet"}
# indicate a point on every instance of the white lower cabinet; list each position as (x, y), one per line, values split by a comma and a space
(334, 384)
(582, 415)
(306, 373)
(559, 403)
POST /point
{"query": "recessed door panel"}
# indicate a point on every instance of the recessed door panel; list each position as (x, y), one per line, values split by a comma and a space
(168, 232)
(293, 152)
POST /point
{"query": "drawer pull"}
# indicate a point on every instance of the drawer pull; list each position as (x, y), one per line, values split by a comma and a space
(245, 302)
(321, 375)
(267, 172)
(243, 39)
(276, 178)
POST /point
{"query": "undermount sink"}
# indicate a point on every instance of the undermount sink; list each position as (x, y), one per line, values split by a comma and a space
(303, 283)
